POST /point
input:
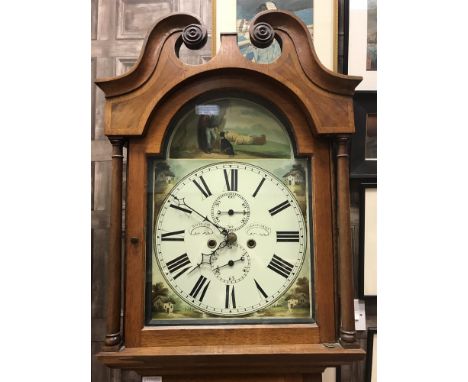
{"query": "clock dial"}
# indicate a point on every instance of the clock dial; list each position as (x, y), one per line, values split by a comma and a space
(230, 239)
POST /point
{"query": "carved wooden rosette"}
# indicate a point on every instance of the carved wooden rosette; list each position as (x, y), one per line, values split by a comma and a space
(140, 106)
(261, 34)
(194, 36)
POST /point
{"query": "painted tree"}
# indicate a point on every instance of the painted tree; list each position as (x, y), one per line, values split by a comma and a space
(160, 295)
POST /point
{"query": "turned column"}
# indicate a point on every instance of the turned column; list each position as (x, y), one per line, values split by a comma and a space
(345, 261)
(113, 338)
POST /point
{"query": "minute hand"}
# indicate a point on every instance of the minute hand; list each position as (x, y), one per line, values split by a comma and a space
(224, 231)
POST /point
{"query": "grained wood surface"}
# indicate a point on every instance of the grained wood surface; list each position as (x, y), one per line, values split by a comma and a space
(347, 330)
(230, 360)
(113, 54)
(245, 378)
(139, 108)
(139, 148)
(118, 28)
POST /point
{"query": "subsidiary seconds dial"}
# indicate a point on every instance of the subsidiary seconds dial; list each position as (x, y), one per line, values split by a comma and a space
(230, 238)
(231, 210)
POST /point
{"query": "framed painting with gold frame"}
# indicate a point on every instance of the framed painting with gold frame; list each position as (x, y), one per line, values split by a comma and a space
(368, 240)
(320, 16)
(364, 142)
(362, 42)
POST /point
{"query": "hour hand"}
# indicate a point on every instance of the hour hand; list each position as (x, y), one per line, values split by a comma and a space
(182, 204)
(206, 259)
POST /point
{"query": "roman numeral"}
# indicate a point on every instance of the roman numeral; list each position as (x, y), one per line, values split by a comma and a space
(203, 188)
(280, 266)
(180, 208)
(198, 286)
(280, 207)
(287, 236)
(177, 263)
(231, 186)
(230, 297)
(260, 289)
(258, 187)
(167, 236)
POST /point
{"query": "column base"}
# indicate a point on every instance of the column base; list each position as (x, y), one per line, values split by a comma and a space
(112, 343)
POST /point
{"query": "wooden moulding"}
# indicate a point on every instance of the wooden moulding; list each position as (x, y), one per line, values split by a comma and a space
(281, 359)
(247, 378)
(325, 95)
(140, 106)
(225, 335)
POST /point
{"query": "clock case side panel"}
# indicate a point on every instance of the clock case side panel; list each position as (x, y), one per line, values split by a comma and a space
(153, 144)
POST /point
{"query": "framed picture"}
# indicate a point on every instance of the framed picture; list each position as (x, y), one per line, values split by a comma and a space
(364, 141)
(371, 357)
(320, 16)
(368, 240)
(362, 42)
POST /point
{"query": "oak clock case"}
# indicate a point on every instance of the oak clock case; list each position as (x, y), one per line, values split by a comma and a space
(228, 220)
(246, 283)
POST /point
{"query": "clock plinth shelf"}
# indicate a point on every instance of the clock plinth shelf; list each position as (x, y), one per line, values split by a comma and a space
(231, 360)
(231, 265)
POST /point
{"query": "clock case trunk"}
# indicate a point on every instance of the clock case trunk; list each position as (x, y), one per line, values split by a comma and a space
(140, 106)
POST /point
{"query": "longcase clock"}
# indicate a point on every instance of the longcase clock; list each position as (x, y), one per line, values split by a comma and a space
(237, 255)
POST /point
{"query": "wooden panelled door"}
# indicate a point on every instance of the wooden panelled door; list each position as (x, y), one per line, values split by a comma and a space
(118, 28)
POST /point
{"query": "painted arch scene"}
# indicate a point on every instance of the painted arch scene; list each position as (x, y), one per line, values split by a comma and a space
(229, 128)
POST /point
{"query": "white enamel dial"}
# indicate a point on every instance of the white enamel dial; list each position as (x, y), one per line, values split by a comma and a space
(230, 238)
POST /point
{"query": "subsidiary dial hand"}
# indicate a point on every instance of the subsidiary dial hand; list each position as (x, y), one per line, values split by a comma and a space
(231, 212)
(230, 263)
(181, 202)
(209, 255)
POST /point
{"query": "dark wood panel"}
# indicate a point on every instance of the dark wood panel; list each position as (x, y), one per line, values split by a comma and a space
(93, 95)
(94, 16)
(100, 219)
(92, 187)
(102, 150)
(130, 376)
(99, 372)
(124, 64)
(135, 17)
(196, 57)
(104, 67)
(98, 272)
(98, 329)
(102, 177)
